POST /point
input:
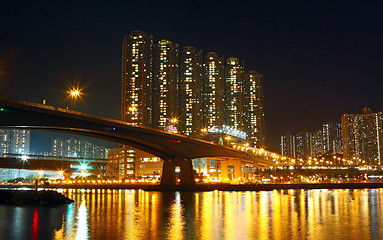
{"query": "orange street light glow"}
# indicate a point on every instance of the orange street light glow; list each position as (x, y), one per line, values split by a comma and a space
(75, 93)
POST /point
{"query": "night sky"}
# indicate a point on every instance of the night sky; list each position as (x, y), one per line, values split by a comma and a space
(319, 59)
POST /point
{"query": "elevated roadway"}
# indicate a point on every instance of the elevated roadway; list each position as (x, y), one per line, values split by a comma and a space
(168, 146)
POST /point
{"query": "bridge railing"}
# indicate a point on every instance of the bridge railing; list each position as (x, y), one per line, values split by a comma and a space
(53, 108)
(63, 110)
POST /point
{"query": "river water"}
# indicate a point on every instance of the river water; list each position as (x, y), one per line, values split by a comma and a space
(137, 214)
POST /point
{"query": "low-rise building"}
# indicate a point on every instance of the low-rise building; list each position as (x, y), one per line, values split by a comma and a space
(129, 163)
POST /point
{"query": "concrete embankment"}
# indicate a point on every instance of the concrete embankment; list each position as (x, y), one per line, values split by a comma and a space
(220, 186)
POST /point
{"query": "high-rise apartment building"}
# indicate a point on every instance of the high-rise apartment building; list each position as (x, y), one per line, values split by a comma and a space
(159, 85)
(254, 112)
(288, 145)
(190, 91)
(332, 138)
(136, 104)
(165, 84)
(15, 141)
(316, 143)
(306, 144)
(72, 147)
(363, 136)
(235, 116)
(302, 145)
(299, 145)
(214, 91)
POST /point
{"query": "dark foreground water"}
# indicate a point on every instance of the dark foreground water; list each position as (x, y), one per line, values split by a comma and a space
(132, 214)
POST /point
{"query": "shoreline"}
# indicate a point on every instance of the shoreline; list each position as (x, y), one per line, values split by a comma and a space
(32, 198)
(209, 187)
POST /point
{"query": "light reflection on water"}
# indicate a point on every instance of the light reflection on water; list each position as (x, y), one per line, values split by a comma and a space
(136, 214)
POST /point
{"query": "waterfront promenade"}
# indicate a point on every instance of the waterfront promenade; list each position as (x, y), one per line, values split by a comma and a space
(210, 187)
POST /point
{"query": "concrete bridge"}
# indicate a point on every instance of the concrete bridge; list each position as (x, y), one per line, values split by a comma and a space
(174, 149)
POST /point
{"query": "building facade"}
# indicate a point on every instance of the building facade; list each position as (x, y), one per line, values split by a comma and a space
(129, 163)
(80, 148)
(316, 143)
(16, 141)
(165, 84)
(137, 63)
(120, 163)
(302, 145)
(363, 137)
(235, 116)
(190, 91)
(187, 92)
(332, 138)
(254, 112)
(288, 145)
(214, 100)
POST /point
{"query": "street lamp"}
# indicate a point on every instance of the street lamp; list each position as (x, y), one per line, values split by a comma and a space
(174, 120)
(204, 132)
(74, 93)
(83, 167)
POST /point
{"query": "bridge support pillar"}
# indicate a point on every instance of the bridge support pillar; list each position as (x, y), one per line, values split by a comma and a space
(237, 168)
(224, 170)
(186, 174)
(168, 177)
(230, 169)
(67, 175)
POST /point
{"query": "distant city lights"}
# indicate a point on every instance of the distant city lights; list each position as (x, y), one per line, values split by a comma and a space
(228, 130)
